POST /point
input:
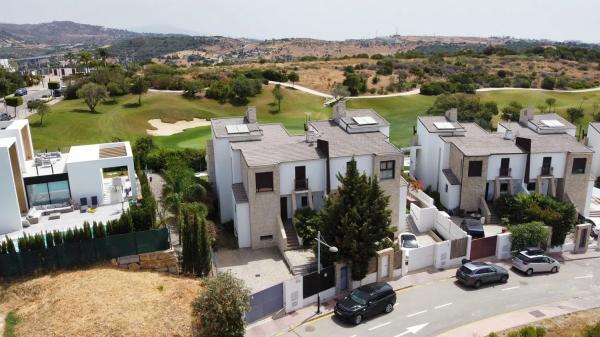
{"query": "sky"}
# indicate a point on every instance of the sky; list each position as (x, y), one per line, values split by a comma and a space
(558, 20)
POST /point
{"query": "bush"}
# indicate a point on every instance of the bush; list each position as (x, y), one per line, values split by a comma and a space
(274, 75)
(532, 234)
(158, 158)
(53, 85)
(593, 331)
(306, 224)
(548, 83)
(13, 101)
(437, 88)
(528, 331)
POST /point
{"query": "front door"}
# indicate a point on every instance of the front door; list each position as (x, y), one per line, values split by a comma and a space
(283, 208)
(300, 182)
(547, 161)
(504, 164)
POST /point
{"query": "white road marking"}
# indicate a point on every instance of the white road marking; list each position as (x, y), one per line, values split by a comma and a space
(379, 326)
(395, 304)
(416, 313)
(509, 288)
(353, 336)
(413, 330)
(586, 276)
(443, 305)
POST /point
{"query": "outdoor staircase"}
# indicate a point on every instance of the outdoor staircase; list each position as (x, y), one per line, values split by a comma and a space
(304, 269)
(494, 217)
(106, 193)
(292, 236)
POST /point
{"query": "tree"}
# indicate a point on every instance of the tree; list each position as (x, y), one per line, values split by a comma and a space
(574, 114)
(103, 55)
(551, 102)
(531, 234)
(195, 240)
(221, 307)
(69, 56)
(181, 185)
(340, 92)
(92, 94)
(355, 83)
(293, 77)
(355, 219)
(243, 87)
(41, 108)
(191, 88)
(278, 96)
(14, 101)
(512, 112)
(139, 86)
(53, 85)
(470, 108)
(85, 58)
(548, 83)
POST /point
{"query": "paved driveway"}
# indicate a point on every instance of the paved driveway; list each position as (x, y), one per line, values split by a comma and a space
(259, 268)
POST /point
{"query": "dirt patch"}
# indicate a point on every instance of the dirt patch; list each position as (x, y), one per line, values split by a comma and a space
(569, 325)
(102, 301)
(167, 129)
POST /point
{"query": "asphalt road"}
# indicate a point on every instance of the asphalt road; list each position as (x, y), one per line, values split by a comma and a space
(431, 309)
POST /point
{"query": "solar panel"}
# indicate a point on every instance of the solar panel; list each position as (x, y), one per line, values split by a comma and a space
(239, 128)
(365, 120)
(444, 125)
(552, 123)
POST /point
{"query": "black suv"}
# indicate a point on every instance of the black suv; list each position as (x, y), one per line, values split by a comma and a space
(474, 274)
(366, 301)
(473, 227)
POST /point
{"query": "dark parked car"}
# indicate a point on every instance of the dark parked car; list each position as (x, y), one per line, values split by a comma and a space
(57, 92)
(21, 92)
(475, 274)
(4, 117)
(366, 301)
(473, 227)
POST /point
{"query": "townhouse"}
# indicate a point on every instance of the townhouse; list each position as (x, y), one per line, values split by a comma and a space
(471, 167)
(36, 185)
(262, 174)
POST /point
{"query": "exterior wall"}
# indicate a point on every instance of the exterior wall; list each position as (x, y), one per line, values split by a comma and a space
(223, 177)
(241, 222)
(23, 141)
(593, 137)
(210, 162)
(428, 159)
(558, 163)
(455, 162)
(316, 173)
(472, 188)
(236, 167)
(579, 186)
(451, 198)
(392, 188)
(516, 165)
(338, 165)
(10, 217)
(264, 207)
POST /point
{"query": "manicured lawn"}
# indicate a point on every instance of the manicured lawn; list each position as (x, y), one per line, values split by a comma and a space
(70, 123)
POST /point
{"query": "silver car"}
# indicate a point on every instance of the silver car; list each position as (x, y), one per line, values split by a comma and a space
(534, 263)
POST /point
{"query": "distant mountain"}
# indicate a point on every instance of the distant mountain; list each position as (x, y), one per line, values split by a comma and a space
(162, 29)
(64, 33)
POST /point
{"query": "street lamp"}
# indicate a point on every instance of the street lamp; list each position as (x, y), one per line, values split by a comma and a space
(332, 249)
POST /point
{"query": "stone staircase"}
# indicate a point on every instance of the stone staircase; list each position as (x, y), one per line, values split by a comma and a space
(292, 236)
(494, 217)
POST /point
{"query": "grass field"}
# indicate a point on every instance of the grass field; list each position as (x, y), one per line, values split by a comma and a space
(70, 123)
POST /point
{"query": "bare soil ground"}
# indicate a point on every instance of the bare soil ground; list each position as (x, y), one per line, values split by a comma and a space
(101, 301)
(570, 325)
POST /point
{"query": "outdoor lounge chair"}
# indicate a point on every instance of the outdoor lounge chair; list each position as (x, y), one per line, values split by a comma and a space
(94, 201)
(83, 207)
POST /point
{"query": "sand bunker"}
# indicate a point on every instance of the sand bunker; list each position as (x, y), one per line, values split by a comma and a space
(168, 129)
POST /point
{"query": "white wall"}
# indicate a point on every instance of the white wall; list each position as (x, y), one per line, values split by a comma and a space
(402, 227)
(430, 158)
(503, 246)
(241, 222)
(517, 165)
(594, 142)
(223, 177)
(419, 258)
(236, 168)
(338, 165)
(447, 228)
(423, 217)
(10, 217)
(450, 199)
(559, 160)
(316, 173)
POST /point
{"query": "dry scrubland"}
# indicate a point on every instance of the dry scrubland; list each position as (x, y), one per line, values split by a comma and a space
(101, 301)
(570, 325)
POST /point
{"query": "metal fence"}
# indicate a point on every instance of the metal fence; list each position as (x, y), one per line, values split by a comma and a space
(311, 282)
(69, 255)
(265, 302)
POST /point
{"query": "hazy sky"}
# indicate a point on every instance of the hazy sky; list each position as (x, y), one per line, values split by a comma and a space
(328, 19)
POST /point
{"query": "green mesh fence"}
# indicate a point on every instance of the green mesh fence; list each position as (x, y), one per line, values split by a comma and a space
(70, 255)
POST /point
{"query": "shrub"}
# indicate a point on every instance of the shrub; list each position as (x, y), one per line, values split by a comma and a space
(306, 223)
(49, 239)
(437, 88)
(548, 83)
(274, 75)
(158, 158)
(86, 232)
(53, 85)
(532, 234)
(593, 331)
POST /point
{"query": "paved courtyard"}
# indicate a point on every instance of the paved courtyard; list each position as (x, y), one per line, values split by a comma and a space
(259, 268)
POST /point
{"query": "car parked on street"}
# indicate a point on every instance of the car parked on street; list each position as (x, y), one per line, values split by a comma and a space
(473, 227)
(408, 240)
(534, 261)
(21, 92)
(475, 274)
(4, 117)
(366, 301)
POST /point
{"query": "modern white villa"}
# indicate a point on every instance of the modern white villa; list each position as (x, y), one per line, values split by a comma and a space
(44, 186)
(471, 167)
(263, 174)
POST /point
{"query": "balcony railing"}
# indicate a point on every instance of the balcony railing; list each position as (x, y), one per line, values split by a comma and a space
(547, 170)
(300, 184)
(505, 172)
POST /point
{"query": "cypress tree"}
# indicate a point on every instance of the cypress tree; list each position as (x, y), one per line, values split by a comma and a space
(49, 240)
(204, 251)
(10, 246)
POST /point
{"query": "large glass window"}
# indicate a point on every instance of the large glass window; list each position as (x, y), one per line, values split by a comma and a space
(38, 194)
(48, 193)
(59, 191)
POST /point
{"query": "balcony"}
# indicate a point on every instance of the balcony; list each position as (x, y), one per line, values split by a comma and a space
(300, 184)
(505, 172)
(547, 170)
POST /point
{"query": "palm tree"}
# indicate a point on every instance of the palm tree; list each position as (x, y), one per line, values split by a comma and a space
(85, 58)
(70, 56)
(103, 54)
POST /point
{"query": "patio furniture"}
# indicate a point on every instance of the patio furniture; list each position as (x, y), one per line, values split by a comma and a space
(54, 216)
(83, 205)
(25, 223)
(94, 201)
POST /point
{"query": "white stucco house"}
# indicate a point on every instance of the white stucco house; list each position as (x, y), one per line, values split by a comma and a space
(33, 185)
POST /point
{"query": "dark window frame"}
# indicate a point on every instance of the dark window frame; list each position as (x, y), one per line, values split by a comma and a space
(385, 168)
(266, 237)
(475, 168)
(579, 165)
(263, 178)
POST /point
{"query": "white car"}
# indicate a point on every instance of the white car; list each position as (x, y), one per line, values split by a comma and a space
(534, 262)
(408, 240)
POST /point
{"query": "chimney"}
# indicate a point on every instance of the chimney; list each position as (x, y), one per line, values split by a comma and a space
(339, 110)
(251, 114)
(526, 115)
(508, 134)
(311, 136)
(452, 115)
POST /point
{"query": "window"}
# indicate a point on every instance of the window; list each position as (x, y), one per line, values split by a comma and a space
(531, 186)
(446, 188)
(475, 167)
(266, 237)
(579, 165)
(386, 169)
(304, 201)
(504, 187)
(264, 182)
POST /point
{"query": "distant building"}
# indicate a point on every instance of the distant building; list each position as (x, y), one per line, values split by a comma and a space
(6, 65)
